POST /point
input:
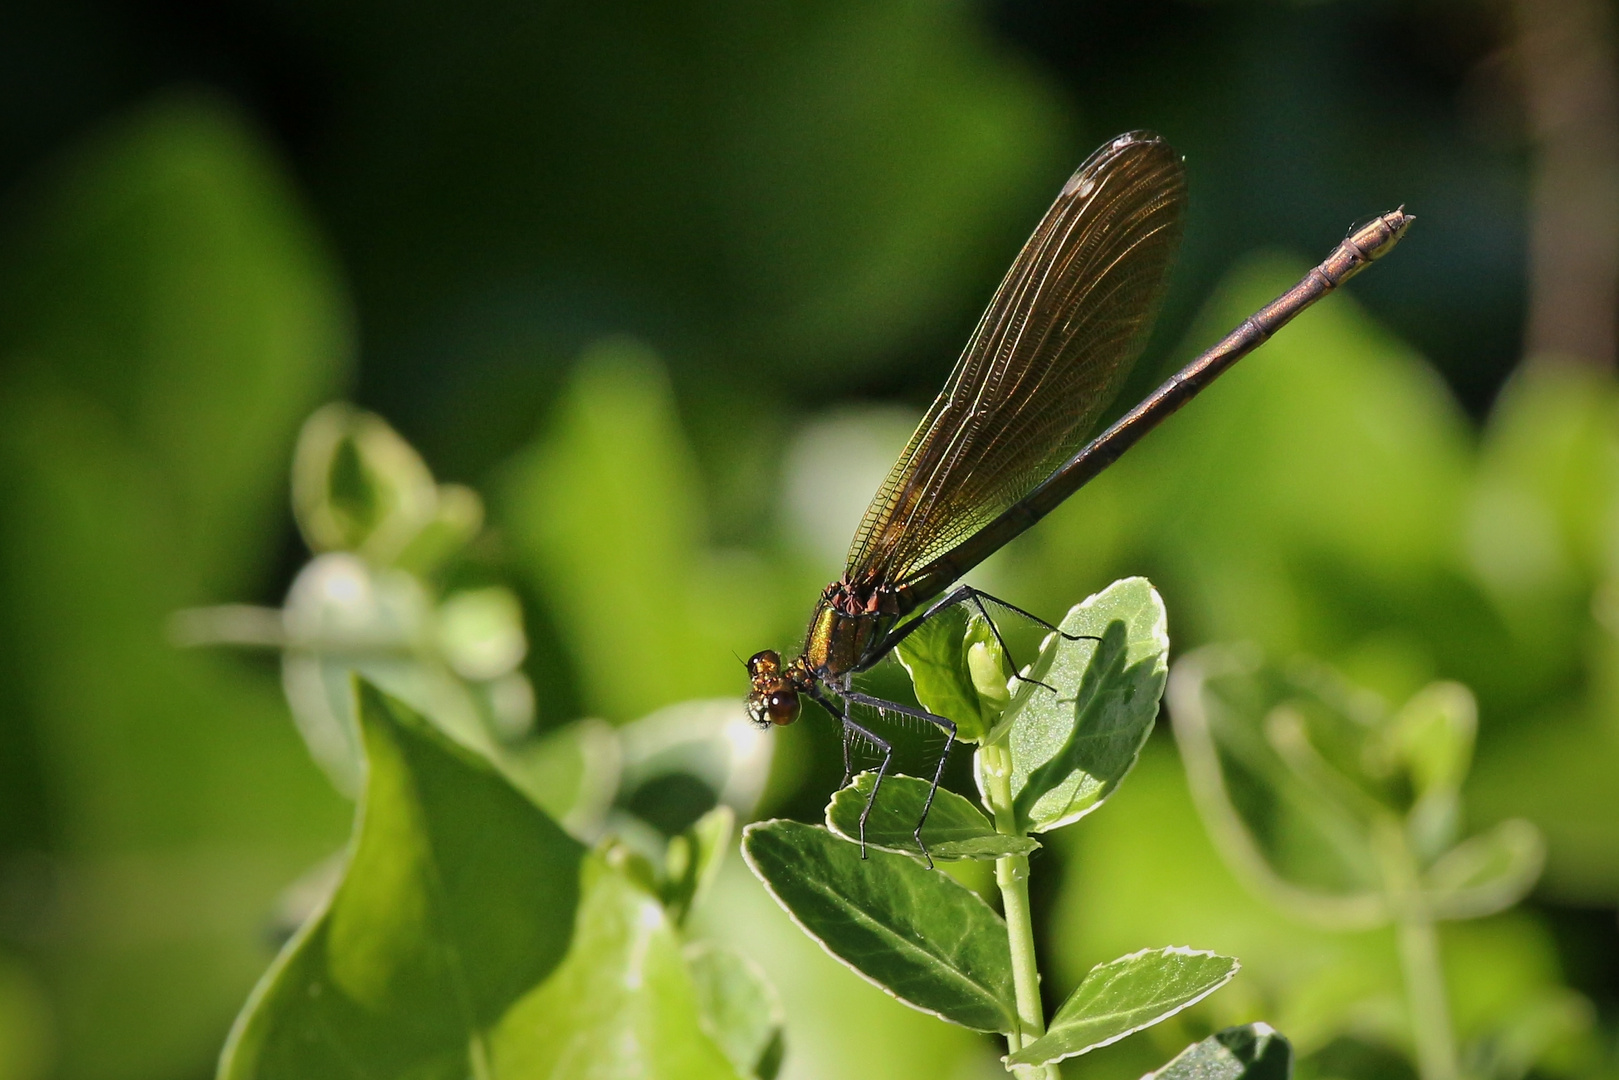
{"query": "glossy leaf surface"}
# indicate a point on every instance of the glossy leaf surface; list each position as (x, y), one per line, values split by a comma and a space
(918, 934)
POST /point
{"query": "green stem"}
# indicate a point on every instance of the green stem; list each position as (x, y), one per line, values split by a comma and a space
(1419, 956)
(1012, 875)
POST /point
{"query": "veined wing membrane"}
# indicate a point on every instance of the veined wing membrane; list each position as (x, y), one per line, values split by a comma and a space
(1048, 356)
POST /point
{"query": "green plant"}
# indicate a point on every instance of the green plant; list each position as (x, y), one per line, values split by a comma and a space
(1052, 745)
(1346, 814)
(504, 908)
(471, 935)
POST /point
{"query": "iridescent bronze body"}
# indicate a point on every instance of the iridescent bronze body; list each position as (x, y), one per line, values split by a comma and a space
(1008, 438)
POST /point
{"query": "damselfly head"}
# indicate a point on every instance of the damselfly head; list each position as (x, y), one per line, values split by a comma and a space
(773, 700)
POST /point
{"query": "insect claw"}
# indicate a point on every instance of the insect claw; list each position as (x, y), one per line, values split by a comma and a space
(1037, 682)
(925, 853)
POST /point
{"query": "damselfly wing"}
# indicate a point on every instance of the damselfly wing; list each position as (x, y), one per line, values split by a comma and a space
(1010, 435)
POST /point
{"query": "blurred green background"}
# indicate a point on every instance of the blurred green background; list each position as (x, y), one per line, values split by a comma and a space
(668, 284)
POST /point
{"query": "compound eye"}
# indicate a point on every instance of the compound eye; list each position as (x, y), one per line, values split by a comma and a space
(782, 707)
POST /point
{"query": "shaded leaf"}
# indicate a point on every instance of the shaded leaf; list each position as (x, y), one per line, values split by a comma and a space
(1250, 1052)
(741, 1010)
(914, 932)
(1125, 995)
(955, 829)
(934, 655)
(459, 897)
(622, 1006)
(958, 669)
(1072, 747)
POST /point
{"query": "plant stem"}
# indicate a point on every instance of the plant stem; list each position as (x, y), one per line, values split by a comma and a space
(1012, 875)
(1419, 956)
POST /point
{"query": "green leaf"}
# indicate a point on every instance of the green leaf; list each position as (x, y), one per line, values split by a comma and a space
(934, 655)
(1486, 873)
(1072, 747)
(955, 829)
(693, 859)
(357, 486)
(1125, 995)
(1431, 737)
(459, 897)
(741, 1010)
(1250, 1052)
(1304, 845)
(958, 669)
(345, 615)
(1430, 743)
(914, 932)
(622, 1006)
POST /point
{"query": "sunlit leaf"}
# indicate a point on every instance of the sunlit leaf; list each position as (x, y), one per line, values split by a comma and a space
(1250, 1052)
(693, 858)
(741, 1010)
(914, 932)
(1125, 995)
(459, 897)
(622, 1006)
(955, 829)
(1074, 739)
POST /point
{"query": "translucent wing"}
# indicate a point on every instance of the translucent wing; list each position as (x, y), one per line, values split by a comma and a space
(1048, 356)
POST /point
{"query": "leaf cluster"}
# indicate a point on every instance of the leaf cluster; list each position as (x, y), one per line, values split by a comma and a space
(1057, 740)
(471, 935)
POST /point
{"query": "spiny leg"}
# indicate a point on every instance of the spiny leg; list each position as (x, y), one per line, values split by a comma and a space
(938, 773)
(840, 714)
(850, 727)
(848, 766)
(949, 727)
